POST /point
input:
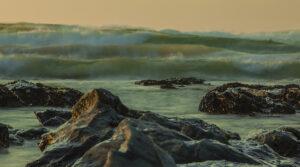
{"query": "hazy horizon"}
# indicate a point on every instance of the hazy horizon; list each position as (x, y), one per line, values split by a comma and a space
(232, 16)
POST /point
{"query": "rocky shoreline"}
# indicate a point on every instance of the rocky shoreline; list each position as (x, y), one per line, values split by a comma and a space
(101, 131)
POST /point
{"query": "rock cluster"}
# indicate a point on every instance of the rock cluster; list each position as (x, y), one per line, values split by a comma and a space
(24, 93)
(169, 83)
(237, 98)
(104, 132)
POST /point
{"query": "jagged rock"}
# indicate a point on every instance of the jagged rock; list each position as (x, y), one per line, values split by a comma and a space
(284, 142)
(95, 118)
(168, 83)
(127, 147)
(24, 93)
(237, 98)
(34, 133)
(53, 117)
(4, 136)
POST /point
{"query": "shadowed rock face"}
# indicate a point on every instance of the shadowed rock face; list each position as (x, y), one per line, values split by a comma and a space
(24, 93)
(4, 136)
(104, 132)
(237, 98)
(284, 141)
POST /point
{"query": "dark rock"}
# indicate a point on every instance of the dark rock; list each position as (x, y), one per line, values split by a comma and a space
(4, 136)
(194, 128)
(53, 117)
(204, 150)
(283, 142)
(34, 133)
(95, 118)
(127, 148)
(54, 121)
(294, 131)
(168, 83)
(183, 148)
(167, 86)
(24, 93)
(8, 98)
(237, 98)
(15, 140)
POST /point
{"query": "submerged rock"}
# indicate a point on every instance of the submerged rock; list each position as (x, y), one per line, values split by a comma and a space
(4, 136)
(53, 117)
(282, 141)
(168, 83)
(104, 132)
(34, 133)
(24, 93)
(167, 86)
(237, 98)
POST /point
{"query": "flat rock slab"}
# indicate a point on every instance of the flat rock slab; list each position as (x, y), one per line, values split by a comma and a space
(237, 98)
(23, 93)
(169, 83)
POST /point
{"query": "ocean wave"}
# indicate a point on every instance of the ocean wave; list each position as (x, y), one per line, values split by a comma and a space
(34, 67)
(55, 35)
(108, 51)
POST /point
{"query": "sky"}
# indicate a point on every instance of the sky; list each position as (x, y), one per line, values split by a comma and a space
(184, 15)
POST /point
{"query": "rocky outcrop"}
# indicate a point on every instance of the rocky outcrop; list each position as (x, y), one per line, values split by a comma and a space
(169, 83)
(104, 132)
(284, 141)
(53, 117)
(4, 136)
(24, 93)
(237, 98)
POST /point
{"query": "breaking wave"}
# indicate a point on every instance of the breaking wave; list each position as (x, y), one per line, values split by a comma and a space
(58, 51)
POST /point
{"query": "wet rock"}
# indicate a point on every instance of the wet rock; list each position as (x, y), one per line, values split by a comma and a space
(34, 133)
(24, 93)
(194, 128)
(128, 147)
(168, 83)
(15, 140)
(204, 150)
(4, 136)
(95, 135)
(283, 142)
(54, 121)
(184, 149)
(237, 98)
(53, 117)
(8, 98)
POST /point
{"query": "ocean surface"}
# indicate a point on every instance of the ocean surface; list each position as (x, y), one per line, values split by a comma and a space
(113, 58)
